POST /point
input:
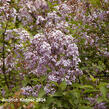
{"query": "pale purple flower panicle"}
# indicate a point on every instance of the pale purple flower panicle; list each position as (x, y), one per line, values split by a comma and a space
(28, 90)
(56, 54)
(100, 106)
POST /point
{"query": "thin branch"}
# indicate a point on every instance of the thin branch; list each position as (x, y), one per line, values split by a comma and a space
(3, 56)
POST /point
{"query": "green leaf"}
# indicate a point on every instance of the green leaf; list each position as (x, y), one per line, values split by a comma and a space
(86, 86)
(95, 2)
(58, 94)
(41, 93)
(93, 79)
(59, 103)
(50, 100)
(85, 107)
(63, 85)
(103, 89)
(99, 99)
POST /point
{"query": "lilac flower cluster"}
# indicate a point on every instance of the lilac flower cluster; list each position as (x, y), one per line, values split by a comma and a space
(54, 54)
(15, 50)
(28, 91)
(97, 105)
(7, 13)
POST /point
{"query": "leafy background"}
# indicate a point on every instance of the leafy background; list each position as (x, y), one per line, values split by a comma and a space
(88, 25)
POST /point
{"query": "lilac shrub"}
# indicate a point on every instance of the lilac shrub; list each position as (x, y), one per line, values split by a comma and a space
(56, 40)
(54, 50)
(15, 51)
(16, 42)
(53, 54)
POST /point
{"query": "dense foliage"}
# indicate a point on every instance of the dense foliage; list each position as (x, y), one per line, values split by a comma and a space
(57, 50)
